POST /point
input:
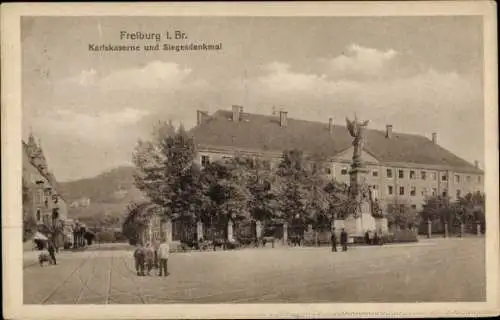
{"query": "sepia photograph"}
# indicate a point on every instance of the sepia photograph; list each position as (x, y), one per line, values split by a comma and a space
(253, 159)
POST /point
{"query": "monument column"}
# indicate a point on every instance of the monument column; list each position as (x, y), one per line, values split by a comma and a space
(359, 192)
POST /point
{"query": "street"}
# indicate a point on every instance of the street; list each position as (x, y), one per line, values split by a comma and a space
(435, 270)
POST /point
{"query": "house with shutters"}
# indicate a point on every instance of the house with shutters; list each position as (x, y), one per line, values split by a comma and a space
(403, 168)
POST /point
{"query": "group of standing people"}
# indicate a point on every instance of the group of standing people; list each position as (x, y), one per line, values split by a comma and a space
(152, 256)
(343, 240)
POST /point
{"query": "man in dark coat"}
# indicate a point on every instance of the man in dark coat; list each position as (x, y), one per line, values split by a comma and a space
(52, 252)
(140, 259)
(334, 240)
(343, 239)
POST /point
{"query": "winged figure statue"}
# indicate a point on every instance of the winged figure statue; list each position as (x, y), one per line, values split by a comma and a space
(356, 129)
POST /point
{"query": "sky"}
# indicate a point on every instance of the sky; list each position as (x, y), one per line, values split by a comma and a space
(420, 74)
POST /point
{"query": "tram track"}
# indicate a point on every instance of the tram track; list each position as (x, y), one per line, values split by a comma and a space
(85, 283)
(62, 283)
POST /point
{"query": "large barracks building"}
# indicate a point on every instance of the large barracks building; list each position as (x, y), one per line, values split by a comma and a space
(403, 168)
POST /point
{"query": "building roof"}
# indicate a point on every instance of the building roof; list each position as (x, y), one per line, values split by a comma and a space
(261, 132)
(49, 176)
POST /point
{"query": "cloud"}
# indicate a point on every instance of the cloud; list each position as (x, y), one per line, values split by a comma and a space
(154, 75)
(430, 92)
(280, 79)
(94, 128)
(360, 60)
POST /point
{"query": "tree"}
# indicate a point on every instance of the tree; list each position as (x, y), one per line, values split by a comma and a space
(401, 215)
(137, 216)
(470, 209)
(340, 204)
(225, 195)
(438, 209)
(167, 172)
(292, 193)
(262, 198)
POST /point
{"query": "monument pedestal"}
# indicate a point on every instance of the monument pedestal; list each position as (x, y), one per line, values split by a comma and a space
(364, 219)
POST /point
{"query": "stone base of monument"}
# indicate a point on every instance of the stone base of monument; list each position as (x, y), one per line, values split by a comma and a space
(357, 227)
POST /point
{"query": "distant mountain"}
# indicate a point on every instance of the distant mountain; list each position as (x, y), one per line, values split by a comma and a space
(106, 194)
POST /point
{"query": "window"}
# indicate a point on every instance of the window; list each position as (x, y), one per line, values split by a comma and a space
(479, 179)
(414, 206)
(468, 178)
(375, 173)
(328, 171)
(444, 177)
(445, 193)
(402, 208)
(401, 191)
(459, 192)
(401, 174)
(205, 161)
(38, 215)
(434, 176)
(389, 173)
(457, 178)
(423, 175)
(424, 192)
(39, 196)
(412, 174)
(413, 191)
(434, 191)
(390, 190)
(343, 171)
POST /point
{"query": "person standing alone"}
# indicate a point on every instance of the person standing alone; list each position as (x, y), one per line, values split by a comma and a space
(163, 254)
(343, 239)
(52, 252)
(334, 240)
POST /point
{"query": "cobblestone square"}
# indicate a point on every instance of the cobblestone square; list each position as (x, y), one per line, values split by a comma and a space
(435, 270)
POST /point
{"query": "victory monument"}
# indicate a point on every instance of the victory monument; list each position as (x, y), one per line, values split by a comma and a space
(367, 215)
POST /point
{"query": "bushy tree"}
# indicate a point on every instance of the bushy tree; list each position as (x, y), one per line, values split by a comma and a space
(225, 193)
(167, 172)
(400, 214)
(137, 216)
(293, 193)
(262, 204)
(340, 204)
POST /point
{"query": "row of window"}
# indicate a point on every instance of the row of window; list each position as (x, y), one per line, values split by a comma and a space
(46, 218)
(205, 160)
(424, 192)
(413, 175)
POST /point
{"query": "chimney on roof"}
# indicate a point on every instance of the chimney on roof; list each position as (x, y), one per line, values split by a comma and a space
(435, 137)
(330, 125)
(283, 120)
(237, 110)
(200, 117)
(388, 131)
(476, 164)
